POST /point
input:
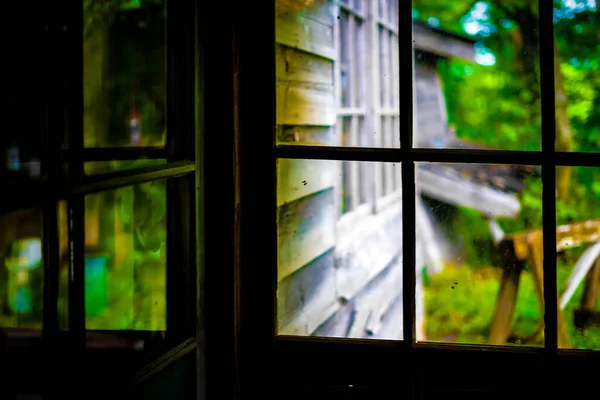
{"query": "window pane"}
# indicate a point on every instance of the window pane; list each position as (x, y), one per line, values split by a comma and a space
(340, 250)
(479, 254)
(578, 237)
(124, 77)
(576, 27)
(477, 75)
(21, 269)
(337, 68)
(125, 258)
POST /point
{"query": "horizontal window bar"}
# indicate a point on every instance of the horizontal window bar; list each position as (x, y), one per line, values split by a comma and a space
(350, 10)
(32, 194)
(119, 153)
(435, 155)
(115, 180)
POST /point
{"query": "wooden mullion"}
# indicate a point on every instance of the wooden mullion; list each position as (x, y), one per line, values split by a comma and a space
(354, 177)
(547, 72)
(375, 79)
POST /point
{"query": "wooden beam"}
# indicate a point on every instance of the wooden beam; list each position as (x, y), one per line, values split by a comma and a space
(441, 43)
(567, 236)
(458, 192)
(302, 33)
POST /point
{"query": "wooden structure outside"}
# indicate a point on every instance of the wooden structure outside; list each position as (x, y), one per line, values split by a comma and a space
(527, 246)
(340, 223)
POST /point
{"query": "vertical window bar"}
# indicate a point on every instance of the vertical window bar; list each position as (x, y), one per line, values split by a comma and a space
(180, 272)
(546, 36)
(74, 40)
(408, 167)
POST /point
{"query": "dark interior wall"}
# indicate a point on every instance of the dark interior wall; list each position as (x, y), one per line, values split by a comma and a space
(176, 381)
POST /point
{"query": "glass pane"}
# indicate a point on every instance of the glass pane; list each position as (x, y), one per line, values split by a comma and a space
(479, 254)
(125, 258)
(103, 167)
(576, 27)
(340, 250)
(332, 68)
(578, 237)
(21, 269)
(124, 75)
(476, 75)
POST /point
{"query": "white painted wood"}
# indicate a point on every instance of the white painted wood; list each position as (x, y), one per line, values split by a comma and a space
(460, 192)
(583, 266)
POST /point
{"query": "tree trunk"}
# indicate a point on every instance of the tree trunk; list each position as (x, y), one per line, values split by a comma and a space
(564, 135)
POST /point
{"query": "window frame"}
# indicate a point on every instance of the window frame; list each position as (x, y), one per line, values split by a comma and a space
(188, 161)
(403, 368)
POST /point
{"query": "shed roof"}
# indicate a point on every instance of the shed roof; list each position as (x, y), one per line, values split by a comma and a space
(442, 43)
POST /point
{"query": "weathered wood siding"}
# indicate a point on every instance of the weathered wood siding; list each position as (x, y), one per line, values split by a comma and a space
(431, 108)
(306, 215)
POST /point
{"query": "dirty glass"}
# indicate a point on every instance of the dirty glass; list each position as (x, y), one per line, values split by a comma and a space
(337, 73)
(339, 250)
(125, 258)
(577, 68)
(479, 254)
(476, 75)
(578, 263)
(21, 269)
(124, 73)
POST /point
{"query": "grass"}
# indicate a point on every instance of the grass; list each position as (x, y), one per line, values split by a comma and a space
(460, 302)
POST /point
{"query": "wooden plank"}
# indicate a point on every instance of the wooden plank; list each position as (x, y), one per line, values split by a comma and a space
(338, 325)
(305, 104)
(305, 34)
(298, 66)
(306, 230)
(567, 236)
(297, 178)
(442, 44)
(464, 193)
(426, 232)
(392, 327)
(307, 298)
(379, 297)
(319, 10)
(367, 250)
(307, 135)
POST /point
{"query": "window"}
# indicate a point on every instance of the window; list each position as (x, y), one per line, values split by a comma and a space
(98, 241)
(317, 150)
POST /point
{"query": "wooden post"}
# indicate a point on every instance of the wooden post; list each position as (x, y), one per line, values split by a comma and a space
(507, 296)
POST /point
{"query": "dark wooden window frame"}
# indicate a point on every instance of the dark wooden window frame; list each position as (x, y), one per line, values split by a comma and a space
(311, 366)
(63, 357)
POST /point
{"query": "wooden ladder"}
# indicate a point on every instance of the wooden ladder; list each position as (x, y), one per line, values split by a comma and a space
(527, 246)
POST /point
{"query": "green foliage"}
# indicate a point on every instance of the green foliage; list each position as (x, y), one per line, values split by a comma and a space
(460, 303)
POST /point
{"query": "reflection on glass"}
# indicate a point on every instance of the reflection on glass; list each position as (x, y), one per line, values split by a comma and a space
(576, 27)
(479, 254)
(337, 73)
(125, 258)
(21, 269)
(124, 76)
(476, 75)
(578, 266)
(103, 167)
(339, 251)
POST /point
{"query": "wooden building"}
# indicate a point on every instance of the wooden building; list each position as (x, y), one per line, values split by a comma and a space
(340, 223)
